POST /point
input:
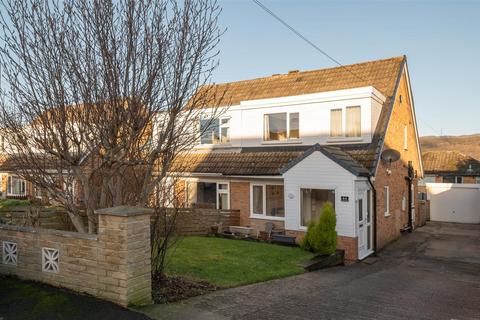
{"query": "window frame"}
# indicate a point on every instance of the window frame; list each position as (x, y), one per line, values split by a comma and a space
(287, 127)
(217, 191)
(343, 136)
(300, 195)
(220, 126)
(346, 123)
(342, 131)
(386, 201)
(9, 186)
(264, 201)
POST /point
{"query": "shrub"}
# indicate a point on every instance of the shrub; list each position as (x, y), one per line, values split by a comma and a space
(321, 236)
(6, 203)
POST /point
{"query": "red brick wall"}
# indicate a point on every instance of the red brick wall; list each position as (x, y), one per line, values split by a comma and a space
(349, 244)
(240, 200)
(388, 228)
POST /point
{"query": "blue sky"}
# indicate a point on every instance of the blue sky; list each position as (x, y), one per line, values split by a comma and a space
(441, 40)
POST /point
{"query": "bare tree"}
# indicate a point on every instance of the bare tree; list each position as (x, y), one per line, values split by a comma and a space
(100, 96)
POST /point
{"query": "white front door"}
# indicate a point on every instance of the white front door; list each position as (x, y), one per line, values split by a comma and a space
(365, 224)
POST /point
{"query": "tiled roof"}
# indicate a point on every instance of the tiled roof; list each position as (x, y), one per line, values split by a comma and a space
(381, 74)
(267, 163)
(384, 75)
(261, 161)
(450, 162)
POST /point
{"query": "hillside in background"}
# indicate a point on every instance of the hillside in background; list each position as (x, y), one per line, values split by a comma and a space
(468, 144)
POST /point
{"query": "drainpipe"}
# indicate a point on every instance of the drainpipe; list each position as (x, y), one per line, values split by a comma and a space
(374, 218)
(409, 179)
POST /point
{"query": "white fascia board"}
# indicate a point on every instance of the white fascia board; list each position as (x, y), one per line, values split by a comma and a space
(346, 94)
(336, 95)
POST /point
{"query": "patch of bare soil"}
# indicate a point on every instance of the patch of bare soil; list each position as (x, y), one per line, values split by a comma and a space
(170, 289)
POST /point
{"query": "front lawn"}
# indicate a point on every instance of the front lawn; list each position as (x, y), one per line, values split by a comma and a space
(229, 263)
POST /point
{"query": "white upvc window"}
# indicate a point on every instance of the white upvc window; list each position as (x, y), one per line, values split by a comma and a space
(281, 126)
(267, 201)
(348, 126)
(213, 195)
(16, 186)
(386, 201)
(215, 131)
(225, 130)
(353, 122)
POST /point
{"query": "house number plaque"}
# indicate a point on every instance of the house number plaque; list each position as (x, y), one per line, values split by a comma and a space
(344, 198)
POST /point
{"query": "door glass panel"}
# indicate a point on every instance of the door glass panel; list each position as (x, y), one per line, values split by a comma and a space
(369, 238)
(360, 209)
(369, 205)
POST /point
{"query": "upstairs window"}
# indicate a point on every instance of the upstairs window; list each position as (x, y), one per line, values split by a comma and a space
(336, 127)
(215, 131)
(277, 128)
(353, 122)
(225, 130)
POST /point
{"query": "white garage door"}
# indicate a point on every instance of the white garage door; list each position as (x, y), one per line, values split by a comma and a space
(454, 202)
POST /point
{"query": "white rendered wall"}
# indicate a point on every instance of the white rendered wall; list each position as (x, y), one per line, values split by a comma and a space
(319, 172)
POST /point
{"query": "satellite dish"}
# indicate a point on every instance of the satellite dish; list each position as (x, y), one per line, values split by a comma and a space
(390, 155)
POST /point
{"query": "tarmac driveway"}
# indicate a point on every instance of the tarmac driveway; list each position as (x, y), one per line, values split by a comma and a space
(432, 273)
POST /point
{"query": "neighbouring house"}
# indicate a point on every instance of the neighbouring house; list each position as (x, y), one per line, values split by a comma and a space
(286, 144)
(450, 167)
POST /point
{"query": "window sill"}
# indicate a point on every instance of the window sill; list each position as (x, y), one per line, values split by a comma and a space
(386, 215)
(281, 142)
(344, 139)
(213, 146)
(263, 217)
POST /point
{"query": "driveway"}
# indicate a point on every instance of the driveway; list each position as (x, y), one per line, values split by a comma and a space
(432, 273)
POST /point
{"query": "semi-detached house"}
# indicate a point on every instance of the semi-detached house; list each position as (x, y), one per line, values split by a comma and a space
(286, 144)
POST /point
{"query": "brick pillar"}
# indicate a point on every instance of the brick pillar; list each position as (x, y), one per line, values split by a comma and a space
(124, 253)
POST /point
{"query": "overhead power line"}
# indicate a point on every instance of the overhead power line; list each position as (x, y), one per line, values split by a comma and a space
(301, 36)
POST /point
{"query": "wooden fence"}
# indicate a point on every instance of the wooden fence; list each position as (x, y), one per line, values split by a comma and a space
(197, 221)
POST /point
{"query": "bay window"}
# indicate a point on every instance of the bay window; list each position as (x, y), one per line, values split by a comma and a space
(312, 201)
(281, 126)
(16, 186)
(267, 200)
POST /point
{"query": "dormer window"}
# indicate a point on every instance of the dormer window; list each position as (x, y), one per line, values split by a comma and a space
(352, 121)
(277, 128)
(215, 131)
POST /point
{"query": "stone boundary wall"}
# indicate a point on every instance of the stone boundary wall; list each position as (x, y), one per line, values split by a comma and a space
(197, 221)
(114, 264)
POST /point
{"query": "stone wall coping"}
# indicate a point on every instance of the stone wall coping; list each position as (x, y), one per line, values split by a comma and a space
(124, 211)
(62, 233)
